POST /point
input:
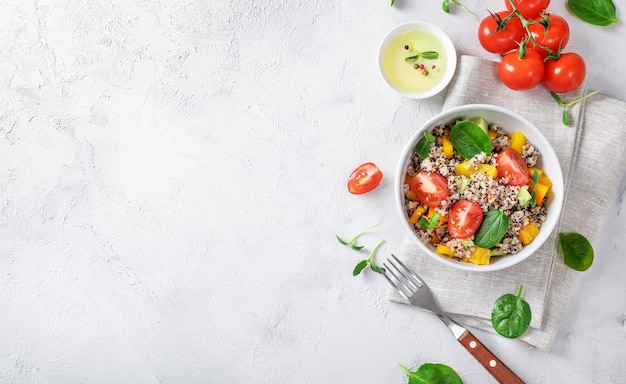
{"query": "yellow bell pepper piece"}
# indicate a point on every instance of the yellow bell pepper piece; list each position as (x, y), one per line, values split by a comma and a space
(465, 169)
(541, 191)
(492, 134)
(528, 233)
(444, 250)
(488, 170)
(447, 148)
(415, 216)
(543, 179)
(480, 256)
(517, 141)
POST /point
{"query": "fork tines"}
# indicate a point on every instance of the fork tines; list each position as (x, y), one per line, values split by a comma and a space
(405, 281)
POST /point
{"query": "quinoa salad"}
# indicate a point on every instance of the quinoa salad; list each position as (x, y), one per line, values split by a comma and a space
(479, 206)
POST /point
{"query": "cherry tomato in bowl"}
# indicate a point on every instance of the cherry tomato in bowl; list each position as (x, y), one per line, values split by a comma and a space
(429, 188)
(497, 40)
(521, 74)
(564, 74)
(512, 166)
(365, 178)
(464, 219)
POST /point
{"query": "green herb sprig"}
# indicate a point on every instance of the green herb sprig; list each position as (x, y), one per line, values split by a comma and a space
(370, 259)
(446, 7)
(596, 12)
(428, 55)
(566, 106)
(429, 224)
(432, 373)
(511, 315)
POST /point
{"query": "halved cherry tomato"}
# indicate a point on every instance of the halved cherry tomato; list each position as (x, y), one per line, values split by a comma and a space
(521, 74)
(564, 74)
(555, 36)
(512, 166)
(503, 40)
(528, 8)
(429, 188)
(464, 219)
(365, 178)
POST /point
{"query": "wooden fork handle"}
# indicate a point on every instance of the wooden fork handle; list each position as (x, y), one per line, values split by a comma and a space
(496, 368)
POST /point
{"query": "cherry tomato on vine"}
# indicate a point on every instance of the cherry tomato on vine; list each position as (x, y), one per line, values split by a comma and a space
(365, 178)
(429, 188)
(564, 74)
(556, 37)
(512, 166)
(521, 74)
(530, 9)
(464, 219)
(503, 40)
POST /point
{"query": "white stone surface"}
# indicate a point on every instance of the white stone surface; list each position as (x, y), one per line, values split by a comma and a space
(172, 177)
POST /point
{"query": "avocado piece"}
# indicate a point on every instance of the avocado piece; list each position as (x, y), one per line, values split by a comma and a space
(481, 122)
(523, 196)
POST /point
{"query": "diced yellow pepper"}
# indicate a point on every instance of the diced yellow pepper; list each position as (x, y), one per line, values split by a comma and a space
(543, 179)
(528, 233)
(480, 256)
(541, 191)
(488, 170)
(415, 216)
(464, 169)
(447, 148)
(444, 250)
(517, 141)
(492, 134)
(533, 169)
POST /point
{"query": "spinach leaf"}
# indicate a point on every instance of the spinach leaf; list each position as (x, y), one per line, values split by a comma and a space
(423, 145)
(597, 12)
(492, 230)
(511, 315)
(432, 374)
(577, 251)
(469, 139)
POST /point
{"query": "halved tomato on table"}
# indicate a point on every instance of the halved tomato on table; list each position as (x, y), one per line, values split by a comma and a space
(365, 178)
(464, 219)
(512, 166)
(429, 188)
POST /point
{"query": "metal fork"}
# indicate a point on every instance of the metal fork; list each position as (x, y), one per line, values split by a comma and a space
(415, 290)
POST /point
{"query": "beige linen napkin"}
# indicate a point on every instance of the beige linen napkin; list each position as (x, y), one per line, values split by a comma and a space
(593, 160)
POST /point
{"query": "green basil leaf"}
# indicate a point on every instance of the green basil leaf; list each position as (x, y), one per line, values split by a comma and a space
(596, 12)
(423, 146)
(577, 251)
(469, 139)
(430, 55)
(359, 267)
(433, 374)
(511, 315)
(492, 230)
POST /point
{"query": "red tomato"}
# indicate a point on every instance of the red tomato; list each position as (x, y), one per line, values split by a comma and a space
(503, 40)
(521, 74)
(365, 178)
(510, 165)
(564, 74)
(464, 219)
(530, 9)
(429, 188)
(556, 37)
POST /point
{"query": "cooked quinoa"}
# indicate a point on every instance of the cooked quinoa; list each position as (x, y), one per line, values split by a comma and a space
(486, 191)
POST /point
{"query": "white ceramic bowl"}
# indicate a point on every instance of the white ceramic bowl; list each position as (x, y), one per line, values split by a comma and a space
(449, 62)
(509, 122)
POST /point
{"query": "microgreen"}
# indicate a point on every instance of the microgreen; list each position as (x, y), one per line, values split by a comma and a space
(597, 12)
(566, 106)
(429, 224)
(423, 145)
(577, 251)
(469, 139)
(428, 55)
(511, 315)
(430, 373)
(446, 7)
(369, 261)
(492, 229)
(352, 241)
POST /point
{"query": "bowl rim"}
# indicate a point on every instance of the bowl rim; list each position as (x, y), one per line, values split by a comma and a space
(548, 153)
(439, 35)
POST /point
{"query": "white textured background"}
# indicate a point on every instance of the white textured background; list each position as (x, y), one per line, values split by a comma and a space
(172, 176)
